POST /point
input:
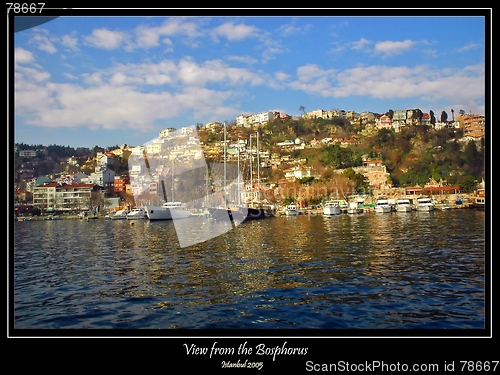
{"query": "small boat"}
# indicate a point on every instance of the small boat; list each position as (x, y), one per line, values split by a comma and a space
(291, 210)
(403, 205)
(425, 204)
(479, 199)
(137, 213)
(331, 207)
(240, 214)
(167, 211)
(119, 215)
(383, 206)
(53, 217)
(354, 208)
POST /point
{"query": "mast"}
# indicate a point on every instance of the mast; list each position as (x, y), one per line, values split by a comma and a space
(239, 183)
(258, 167)
(206, 188)
(251, 173)
(225, 197)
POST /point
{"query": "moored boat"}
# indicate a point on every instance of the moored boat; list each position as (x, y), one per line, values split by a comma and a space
(403, 205)
(291, 210)
(354, 208)
(331, 207)
(136, 213)
(119, 215)
(425, 204)
(167, 211)
(240, 214)
(383, 206)
(479, 199)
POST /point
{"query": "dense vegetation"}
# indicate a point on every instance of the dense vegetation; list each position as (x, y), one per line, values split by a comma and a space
(412, 156)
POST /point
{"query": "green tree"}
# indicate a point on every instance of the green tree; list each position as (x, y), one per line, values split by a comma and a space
(473, 159)
(432, 117)
(444, 116)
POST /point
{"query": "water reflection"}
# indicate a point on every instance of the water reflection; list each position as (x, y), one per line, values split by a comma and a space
(363, 271)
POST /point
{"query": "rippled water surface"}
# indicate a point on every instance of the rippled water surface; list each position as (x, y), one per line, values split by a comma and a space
(397, 270)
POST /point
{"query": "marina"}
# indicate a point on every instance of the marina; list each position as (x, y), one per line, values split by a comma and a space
(421, 270)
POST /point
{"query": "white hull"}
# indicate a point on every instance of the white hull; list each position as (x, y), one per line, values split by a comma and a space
(118, 217)
(383, 209)
(331, 211)
(403, 205)
(403, 208)
(425, 204)
(354, 209)
(136, 214)
(291, 210)
(166, 213)
(425, 207)
(383, 206)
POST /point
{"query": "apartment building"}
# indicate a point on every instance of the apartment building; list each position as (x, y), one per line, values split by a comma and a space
(472, 125)
(62, 197)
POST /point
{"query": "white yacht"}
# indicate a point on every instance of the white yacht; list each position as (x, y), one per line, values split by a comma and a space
(331, 207)
(425, 204)
(383, 206)
(354, 208)
(119, 215)
(168, 211)
(136, 213)
(292, 210)
(403, 205)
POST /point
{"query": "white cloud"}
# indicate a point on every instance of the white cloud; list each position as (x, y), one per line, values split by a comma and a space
(293, 29)
(42, 41)
(180, 26)
(385, 82)
(391, 48)
(313, 79)
(360, 44)
(468, 47)
(185, 72)
(93, 79)
(23, 56)
(249, 60)
(107, 39)
(235, 32)
(70, 76)
(70, 42)
(280, 76)
(114, 99)
(32, 74)
(147, 36)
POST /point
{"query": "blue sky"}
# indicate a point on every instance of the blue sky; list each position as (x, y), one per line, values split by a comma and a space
(86, 81)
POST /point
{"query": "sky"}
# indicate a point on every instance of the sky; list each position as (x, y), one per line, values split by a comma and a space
(85, 81)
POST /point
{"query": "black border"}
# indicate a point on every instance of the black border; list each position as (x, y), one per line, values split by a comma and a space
(339, 345)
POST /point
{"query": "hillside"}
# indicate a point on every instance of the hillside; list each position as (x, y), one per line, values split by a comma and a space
(413, 156)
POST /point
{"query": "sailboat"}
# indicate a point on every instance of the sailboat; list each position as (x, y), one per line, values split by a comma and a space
(240, 212)
(259, 211)
(222, 213)
(169, 210)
